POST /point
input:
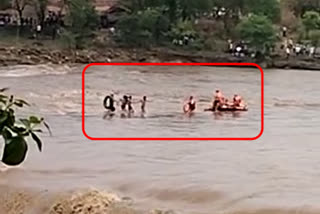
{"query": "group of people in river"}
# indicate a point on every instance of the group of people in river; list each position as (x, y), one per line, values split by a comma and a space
(219, 103)
(126, 103)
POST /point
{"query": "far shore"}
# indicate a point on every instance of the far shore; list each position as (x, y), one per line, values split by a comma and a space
(13, 55)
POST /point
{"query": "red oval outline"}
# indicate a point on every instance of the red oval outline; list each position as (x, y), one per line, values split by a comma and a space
(175, 139)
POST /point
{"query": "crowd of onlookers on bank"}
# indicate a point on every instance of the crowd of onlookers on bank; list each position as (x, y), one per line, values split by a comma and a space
(52, 21)
(287, 47)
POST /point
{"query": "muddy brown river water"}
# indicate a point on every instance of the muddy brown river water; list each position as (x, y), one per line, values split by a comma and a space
(278, 171)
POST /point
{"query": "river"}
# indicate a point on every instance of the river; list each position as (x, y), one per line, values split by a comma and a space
(279, 171)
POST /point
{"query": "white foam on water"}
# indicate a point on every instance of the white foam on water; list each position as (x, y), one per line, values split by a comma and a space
(25, 70)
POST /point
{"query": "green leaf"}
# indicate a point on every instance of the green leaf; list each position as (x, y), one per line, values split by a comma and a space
(3, 117)
(3, 96)
(18, 104)
(48, 128)
(35, 120)
(11, 118)
(15, 151)
(23, 102)
(4, 89)
(18, 130)
(11, 99)
(38, 141)
(6, 134)
(25, 122)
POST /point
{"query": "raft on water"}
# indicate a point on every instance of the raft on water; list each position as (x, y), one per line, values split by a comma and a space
(228, 109)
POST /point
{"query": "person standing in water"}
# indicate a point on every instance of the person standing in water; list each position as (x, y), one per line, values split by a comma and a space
(190, 106)
(143, 104)
(237, 101)
(108, 103)
(217, 100)
(124, 102)
(130, 108)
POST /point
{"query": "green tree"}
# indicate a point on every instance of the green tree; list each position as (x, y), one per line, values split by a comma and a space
(185, 9)
(258, 31)
(135, 5)
(4, 4)
(153, 21)
(15, 131)
(302, 6)
(315, 38)
(183, 28)
(310, 21)
(234, 8)
(189, 8)
(143, 28)
(82, 21)
(269, 8)
(129, 30)
(19, 6)
(40, 8)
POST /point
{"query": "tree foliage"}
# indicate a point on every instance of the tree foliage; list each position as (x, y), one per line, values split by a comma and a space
(258, 32)
(235, 7)
(301, 6)
(190, 8)
(268, 8)
(314, 36)
(143, 28)
(40, 8)
(4, 4)
(185, 9)
(311, 21)
(82, 21)
(183, 28)
(15, 131)
(19, 6)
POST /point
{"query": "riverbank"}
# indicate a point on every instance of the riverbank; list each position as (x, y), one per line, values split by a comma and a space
(12, 55)
(93, 201)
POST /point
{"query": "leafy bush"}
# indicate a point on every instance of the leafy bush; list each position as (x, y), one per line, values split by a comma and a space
(4, 4)
(311, 21)
(315, 37)
(82, 21)
(143, 28)
(215, 44)
(15, 131)
(183, 28)
(268, 8)
(68, 39)
(258, 31)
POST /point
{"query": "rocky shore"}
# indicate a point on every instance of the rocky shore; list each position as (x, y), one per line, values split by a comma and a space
(39, 55)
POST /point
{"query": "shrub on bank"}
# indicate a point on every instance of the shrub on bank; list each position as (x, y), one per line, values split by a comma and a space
(15, 131)
(142, 29)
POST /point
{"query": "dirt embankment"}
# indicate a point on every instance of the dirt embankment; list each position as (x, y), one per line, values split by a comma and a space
(92, 201)
(40, 55)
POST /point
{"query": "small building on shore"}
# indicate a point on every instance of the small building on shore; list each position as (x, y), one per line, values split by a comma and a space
(10, 16)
